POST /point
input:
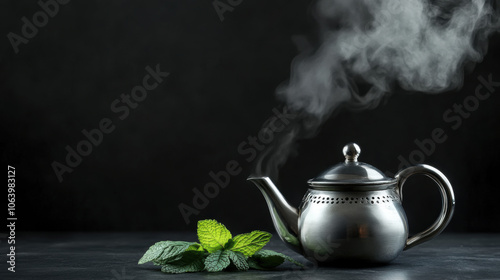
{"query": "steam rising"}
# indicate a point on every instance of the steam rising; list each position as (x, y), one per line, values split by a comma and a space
(417, 45)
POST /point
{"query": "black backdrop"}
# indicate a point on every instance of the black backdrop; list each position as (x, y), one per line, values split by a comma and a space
(220, 91)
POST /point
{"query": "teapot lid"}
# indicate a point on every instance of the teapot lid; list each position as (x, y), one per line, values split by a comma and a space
(350, 172)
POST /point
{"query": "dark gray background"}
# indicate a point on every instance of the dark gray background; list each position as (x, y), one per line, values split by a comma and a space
(220, 92)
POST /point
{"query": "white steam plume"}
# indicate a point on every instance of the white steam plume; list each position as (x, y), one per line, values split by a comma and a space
(417, 45)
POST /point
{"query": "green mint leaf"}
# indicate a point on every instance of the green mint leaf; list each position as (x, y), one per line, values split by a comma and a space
(212, 235)
(191, 261)
(249, 243)
(195, 247)
(174, 250)
(217, 261)
(159, 261)
(252, 263)
(195, 266)
(154, 251)
(269, 259)
(165, 251)
(239, 260)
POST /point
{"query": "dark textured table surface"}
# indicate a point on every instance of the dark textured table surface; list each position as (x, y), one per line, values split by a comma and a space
(115, 255)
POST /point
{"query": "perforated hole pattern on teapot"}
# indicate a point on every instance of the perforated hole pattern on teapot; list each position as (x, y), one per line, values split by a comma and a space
(325, 199)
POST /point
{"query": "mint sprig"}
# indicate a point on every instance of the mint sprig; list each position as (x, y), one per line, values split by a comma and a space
(217, 251)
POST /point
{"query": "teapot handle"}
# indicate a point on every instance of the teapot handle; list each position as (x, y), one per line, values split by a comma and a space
(447, 201)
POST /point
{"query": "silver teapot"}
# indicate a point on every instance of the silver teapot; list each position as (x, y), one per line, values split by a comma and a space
(352, 213)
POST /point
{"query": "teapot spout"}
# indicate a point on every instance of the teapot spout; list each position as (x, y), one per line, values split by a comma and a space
(285, 217)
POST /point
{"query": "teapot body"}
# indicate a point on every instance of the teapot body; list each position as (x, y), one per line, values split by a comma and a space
(352, 226)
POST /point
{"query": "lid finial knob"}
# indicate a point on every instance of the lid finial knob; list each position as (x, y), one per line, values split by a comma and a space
(351, 152)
